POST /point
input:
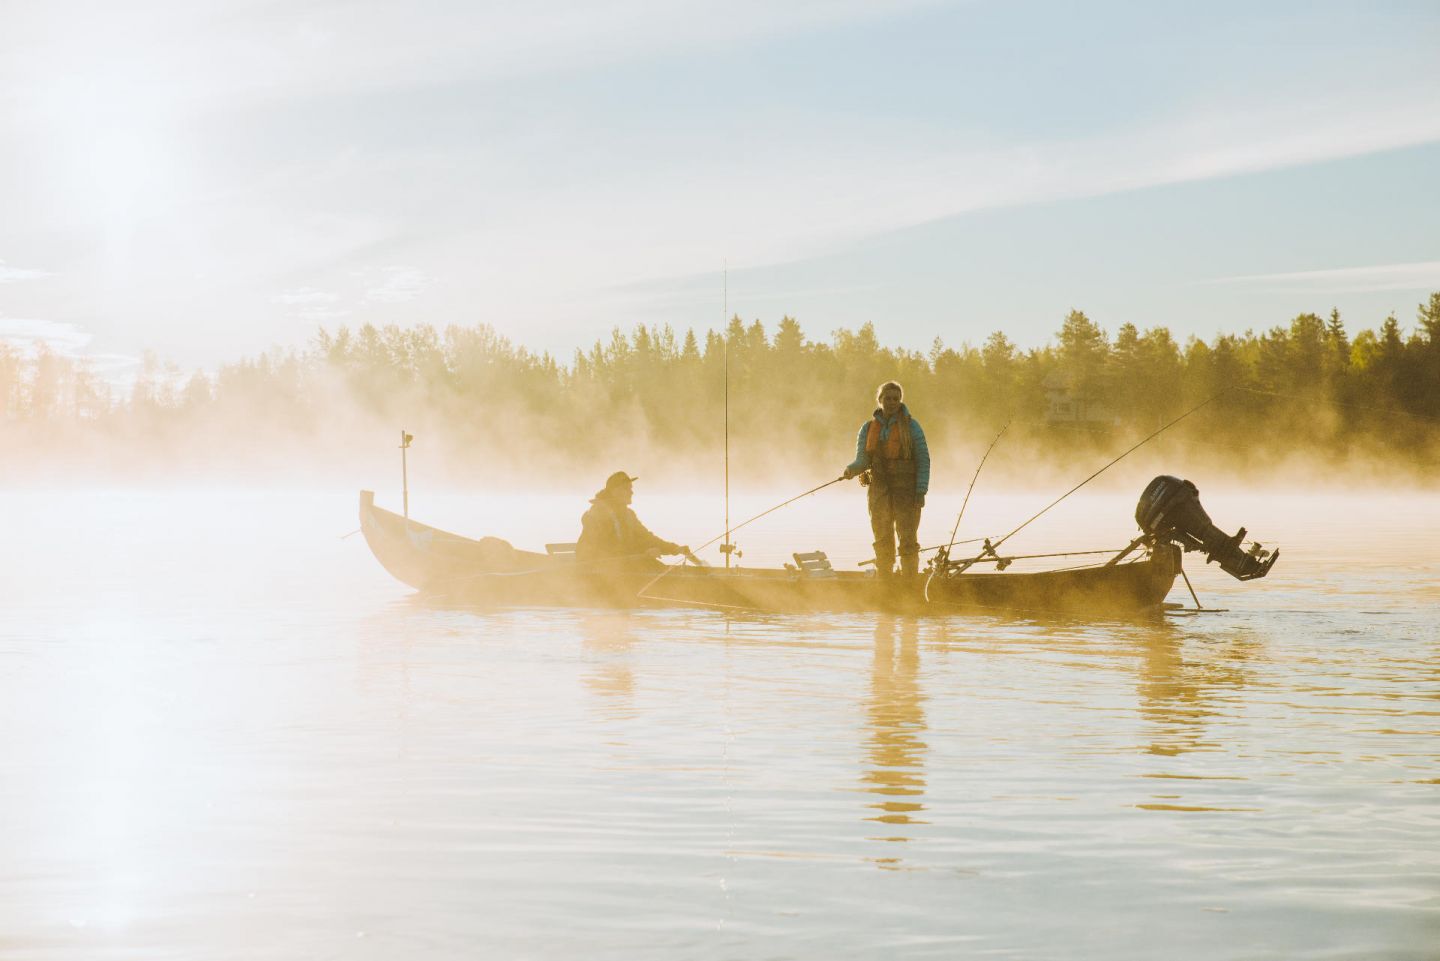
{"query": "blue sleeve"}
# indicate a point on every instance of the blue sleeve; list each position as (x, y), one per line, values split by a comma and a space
(861, 461)
(922, 458)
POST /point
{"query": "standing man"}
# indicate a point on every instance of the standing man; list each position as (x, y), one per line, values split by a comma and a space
(611, 534)
(891, 456)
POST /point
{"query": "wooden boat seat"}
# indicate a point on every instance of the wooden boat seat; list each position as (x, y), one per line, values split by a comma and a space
(561, 552)
(814, 564)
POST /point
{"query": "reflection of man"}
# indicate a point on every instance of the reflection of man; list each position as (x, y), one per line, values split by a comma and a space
(897, 725)
(611, 533)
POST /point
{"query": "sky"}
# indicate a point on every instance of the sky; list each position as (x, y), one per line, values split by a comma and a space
(208, 179)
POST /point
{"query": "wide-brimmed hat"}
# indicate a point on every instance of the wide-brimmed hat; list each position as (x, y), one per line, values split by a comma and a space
(619, 479)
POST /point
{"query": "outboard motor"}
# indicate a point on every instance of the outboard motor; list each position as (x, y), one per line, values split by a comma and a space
(1169, 510)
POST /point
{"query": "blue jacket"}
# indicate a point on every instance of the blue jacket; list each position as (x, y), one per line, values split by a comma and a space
(921, 449)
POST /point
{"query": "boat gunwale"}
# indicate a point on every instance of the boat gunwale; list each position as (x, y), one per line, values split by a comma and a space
(1137, 588)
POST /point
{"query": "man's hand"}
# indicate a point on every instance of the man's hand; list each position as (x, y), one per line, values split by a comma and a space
(919, 500)
(849, 473)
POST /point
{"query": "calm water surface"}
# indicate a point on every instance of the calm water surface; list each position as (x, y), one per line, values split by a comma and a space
(228, 734)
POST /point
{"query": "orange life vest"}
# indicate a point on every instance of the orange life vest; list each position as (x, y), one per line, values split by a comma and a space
(898, 446)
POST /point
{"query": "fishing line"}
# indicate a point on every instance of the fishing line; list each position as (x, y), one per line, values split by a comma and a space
(1112, 463)
(732, 530)
(1339, 403)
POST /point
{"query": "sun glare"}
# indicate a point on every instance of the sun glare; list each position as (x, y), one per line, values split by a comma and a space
(117, 150)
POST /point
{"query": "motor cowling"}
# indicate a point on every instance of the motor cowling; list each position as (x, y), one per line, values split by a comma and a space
(1169, 510)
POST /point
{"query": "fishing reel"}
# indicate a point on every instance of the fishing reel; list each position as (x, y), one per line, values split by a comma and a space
(938, 561)
(941, 563)
(1169, 511)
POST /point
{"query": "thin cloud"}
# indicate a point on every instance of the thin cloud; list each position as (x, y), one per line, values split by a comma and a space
(11, 275)
(397, 285)
(537, 202)
(30, 333)
(701, 289)
(318, 315)
(121, 371)
(787, 212)
(310, 305)
(1424, 275)
(210, 54)
(306, 296)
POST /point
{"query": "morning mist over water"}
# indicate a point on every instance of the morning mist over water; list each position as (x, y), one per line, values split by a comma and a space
(241, 738)
(1309, 401)
(244, 738)
(678, 481)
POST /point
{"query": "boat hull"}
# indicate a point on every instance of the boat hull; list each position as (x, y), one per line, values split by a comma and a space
(490, 572)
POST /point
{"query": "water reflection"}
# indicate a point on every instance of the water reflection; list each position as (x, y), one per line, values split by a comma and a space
(1180, 693)
(608, 637)
(896, 720)
(307, 761)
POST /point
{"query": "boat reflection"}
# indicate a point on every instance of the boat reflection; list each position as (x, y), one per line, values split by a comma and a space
(896, 720)
(1184, 683)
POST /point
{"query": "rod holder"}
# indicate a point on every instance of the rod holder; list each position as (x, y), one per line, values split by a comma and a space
(405, 440)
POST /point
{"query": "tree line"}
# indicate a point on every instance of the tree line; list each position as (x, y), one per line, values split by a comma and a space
(1309, 386)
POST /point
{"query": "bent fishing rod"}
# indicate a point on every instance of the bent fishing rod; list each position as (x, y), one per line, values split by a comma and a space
(942, 558)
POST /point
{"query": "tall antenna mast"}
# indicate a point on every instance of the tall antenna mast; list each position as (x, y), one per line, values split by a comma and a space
(728, 547)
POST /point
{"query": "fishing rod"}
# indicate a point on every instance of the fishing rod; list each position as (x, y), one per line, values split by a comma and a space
(943, 558)
(989, 549)
(726, 548)
(995, 559)
(765, 513)
(925, 550)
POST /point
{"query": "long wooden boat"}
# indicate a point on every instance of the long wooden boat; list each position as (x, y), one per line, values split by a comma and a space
(489, 571)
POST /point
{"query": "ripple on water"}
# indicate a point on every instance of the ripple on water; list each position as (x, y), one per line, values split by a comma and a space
(297, 758)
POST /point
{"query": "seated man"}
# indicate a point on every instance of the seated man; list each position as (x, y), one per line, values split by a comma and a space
(611, 534)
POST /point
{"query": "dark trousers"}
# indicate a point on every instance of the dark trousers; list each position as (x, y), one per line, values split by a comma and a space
(895, 515)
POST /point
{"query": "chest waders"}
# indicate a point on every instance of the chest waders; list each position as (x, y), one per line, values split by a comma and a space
(894, 513)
